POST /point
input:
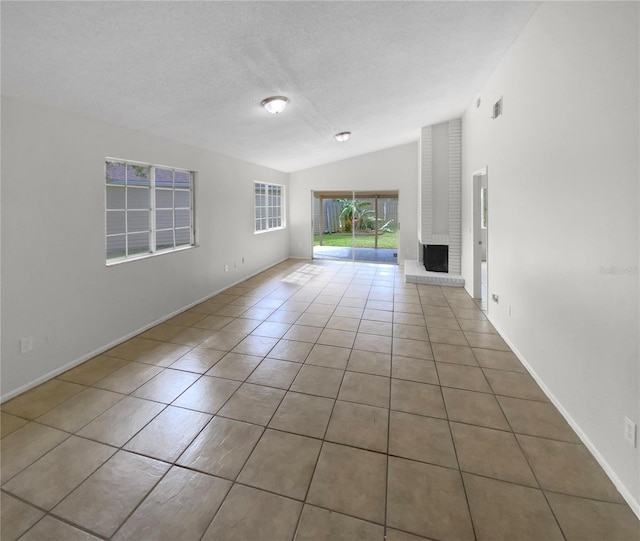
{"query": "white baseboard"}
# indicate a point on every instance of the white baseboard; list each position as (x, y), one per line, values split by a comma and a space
(50, 375)
(624, 492)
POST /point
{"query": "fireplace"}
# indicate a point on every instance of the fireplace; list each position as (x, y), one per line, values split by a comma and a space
(436, 257)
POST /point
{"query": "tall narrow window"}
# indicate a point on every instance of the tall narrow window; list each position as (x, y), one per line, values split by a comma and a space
(269, 206)
(149, 209)
(484, 207)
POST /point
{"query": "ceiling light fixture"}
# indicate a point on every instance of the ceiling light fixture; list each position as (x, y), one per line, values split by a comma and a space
(342, 136)
(275, 104)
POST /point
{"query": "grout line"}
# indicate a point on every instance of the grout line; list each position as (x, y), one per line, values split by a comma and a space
(455, 451)
(386, 485)
(255, 445)
(321, 446)
(270, 285)
(50, 514)
(533, 472)
(233, 481)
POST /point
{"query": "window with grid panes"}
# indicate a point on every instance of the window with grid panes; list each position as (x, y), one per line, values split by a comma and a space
(149, 210)
(269, 206)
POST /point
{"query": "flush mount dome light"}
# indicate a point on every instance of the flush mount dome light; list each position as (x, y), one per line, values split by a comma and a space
(275, 104)
(342, 136)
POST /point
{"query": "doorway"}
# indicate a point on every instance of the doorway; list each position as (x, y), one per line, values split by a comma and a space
(481, 236)
(356, 226)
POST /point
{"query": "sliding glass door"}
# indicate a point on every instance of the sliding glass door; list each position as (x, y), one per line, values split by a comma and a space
(356, 226)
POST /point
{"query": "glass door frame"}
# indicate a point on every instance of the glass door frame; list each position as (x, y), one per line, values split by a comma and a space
(321, 196)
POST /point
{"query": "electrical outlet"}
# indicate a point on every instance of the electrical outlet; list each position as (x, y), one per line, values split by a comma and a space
(26, 344)
(630, 431)
(226, 268)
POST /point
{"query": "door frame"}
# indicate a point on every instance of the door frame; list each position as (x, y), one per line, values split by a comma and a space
(480, 179)
(354, 193)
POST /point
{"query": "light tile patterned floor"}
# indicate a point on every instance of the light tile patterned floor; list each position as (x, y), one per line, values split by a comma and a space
(315, 401)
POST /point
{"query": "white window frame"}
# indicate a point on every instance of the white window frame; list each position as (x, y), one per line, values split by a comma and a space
(264, 216)
(153, 251)
(483, 208)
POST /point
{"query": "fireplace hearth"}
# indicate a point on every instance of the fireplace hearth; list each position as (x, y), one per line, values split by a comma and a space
(436, 257)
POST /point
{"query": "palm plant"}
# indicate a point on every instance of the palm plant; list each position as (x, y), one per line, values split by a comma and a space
(353, 210)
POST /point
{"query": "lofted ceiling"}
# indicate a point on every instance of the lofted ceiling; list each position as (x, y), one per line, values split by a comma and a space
(195, 72)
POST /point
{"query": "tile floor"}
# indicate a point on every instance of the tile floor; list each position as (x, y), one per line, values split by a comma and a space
(315, 401)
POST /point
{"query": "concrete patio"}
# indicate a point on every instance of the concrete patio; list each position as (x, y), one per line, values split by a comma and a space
(378, 255)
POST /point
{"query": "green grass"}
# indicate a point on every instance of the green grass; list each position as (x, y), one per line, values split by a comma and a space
(385, 240)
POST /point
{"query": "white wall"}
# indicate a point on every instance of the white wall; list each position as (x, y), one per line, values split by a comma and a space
(56, 285)
(563, 176)
(391, 169)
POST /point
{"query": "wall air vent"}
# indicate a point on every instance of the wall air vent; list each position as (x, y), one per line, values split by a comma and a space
(497, 109)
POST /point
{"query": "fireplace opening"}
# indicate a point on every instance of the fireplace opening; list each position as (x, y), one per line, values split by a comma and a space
(436, 257)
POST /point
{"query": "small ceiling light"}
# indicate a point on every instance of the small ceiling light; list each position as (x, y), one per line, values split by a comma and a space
(342, 136)
(275, 104)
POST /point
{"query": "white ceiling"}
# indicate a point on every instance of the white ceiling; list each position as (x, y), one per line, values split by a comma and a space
(195, 72)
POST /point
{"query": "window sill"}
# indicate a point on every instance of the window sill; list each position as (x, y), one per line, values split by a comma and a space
(269, 230)
(119, 261)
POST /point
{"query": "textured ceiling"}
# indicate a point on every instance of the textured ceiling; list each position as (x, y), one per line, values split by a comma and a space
(195, 72)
